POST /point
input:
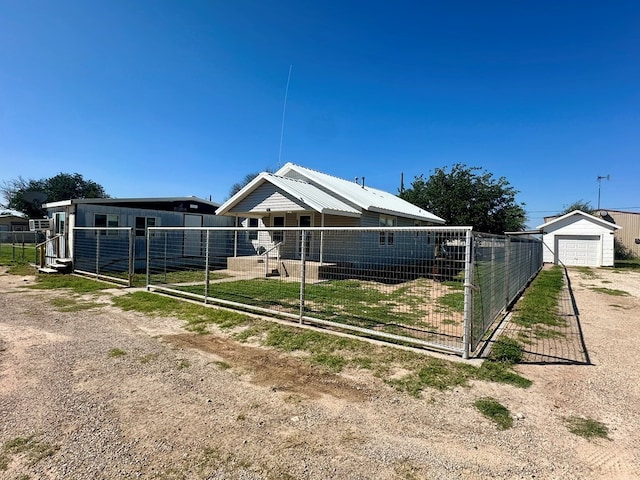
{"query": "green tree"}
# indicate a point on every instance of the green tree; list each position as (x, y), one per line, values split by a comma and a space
(236, 187)
(63, 186)
(581, 205)
(469, 196)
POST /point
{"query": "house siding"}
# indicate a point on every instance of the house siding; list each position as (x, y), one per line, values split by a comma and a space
(268, 197)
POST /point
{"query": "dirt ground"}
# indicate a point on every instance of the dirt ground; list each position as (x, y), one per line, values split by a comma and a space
(179, 406)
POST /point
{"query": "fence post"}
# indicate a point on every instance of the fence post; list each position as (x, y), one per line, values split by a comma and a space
(507, 265)
(303, 268)
(468, 295)
(131, 254)
(98, 252)
(148, 272)
(166, 235)
(206, 267)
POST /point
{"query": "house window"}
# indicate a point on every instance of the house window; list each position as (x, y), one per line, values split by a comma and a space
(386, 238)
(278, 236)
(252, 223)
(142, 223)
(103, 220)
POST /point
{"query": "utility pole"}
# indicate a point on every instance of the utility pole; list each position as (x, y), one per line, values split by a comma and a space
(600, 178)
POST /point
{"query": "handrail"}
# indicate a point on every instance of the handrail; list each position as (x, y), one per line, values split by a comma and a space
(266, 256)
(48, 240)
(40, 260)
(277, 245)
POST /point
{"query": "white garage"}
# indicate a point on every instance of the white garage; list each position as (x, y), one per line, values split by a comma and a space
(578, 239)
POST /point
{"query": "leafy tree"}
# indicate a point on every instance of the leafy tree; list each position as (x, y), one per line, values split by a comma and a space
(63, 186)
(468, 196)
(236, 187)
(581, 205)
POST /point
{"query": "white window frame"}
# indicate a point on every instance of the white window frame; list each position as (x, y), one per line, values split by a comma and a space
(387, 239)
(110, 218)
(142, 232)
(253, 235)
(278, 233)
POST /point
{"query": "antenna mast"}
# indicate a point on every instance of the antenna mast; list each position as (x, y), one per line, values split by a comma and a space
(284, 111)
(600, 178)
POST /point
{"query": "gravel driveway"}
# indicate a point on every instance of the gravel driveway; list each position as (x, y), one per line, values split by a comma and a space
(104, 394)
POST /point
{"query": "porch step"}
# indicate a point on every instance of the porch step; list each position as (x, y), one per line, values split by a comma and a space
(59, 265)
(47, 270)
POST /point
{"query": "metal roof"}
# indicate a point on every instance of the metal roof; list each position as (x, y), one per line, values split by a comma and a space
(600, 221)
(308, 194)
(319, 200)
(115, 201)
(362, 196)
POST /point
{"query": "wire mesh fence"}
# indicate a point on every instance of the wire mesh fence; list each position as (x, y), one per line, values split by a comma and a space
(105, 253)
(404, 284)
(502, 268)
(17, 246)
(438, 287)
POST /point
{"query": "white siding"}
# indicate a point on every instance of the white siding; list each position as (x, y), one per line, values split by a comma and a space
(576, 227)
(268, 197)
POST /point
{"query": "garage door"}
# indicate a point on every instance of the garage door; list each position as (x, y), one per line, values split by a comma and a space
(578, 250)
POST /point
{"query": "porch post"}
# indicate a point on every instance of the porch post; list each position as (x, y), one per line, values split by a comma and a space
(322, 237)
(235, 238)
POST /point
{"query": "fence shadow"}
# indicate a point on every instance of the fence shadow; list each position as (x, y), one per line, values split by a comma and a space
(563, 345)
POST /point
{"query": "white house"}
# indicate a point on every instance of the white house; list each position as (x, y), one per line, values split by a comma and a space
(578, 239)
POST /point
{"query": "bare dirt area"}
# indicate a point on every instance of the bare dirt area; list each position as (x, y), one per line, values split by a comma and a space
(106, 394)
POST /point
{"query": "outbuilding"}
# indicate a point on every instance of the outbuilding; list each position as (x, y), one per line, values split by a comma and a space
(578, 239)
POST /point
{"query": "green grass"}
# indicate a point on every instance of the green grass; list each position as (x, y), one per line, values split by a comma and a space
(17, 258)
(587, 272)
(538, 309)
(610, 291)
(506, 349)
(72, 282)
(34, 449)
(67, 304)
(17, 254)
(336, 353)
(632, 264)
(181, 276)
(358, 302)
(495, 411)
(116, 352)
(330, 352)
(198, 317)
(587, 428)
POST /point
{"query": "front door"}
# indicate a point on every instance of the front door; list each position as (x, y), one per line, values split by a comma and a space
(304, 221)
(60, 228)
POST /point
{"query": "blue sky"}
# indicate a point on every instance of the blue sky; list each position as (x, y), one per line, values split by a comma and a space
(171, 98)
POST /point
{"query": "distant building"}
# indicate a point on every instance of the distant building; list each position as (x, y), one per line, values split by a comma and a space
(628, 236)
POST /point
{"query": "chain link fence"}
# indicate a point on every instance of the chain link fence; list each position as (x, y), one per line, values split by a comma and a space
(439, 287)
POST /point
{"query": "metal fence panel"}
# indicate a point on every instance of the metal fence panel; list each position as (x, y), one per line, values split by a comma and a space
(104, 252)
(404, 284)
(440, 287)
(503, 267)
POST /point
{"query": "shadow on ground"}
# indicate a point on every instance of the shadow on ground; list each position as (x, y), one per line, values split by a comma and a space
(563, 345)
